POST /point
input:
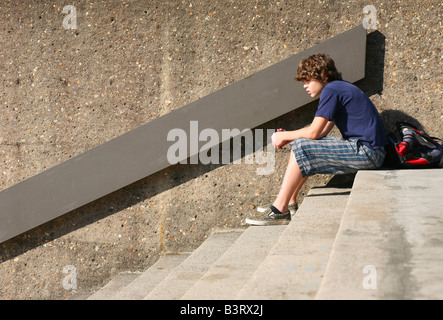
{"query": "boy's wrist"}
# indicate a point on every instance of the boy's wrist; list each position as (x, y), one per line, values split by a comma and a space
(290, 135)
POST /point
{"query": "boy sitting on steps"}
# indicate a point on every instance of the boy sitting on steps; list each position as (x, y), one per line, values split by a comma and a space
(360, 147)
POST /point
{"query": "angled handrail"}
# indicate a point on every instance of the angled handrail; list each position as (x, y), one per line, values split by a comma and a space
(141, 152)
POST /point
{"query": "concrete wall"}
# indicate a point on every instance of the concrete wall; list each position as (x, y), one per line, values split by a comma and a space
(65, 91)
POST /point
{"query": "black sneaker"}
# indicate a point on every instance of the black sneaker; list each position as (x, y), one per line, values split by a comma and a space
(293, 207)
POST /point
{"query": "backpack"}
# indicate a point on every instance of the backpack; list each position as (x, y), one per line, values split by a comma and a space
(410, 148)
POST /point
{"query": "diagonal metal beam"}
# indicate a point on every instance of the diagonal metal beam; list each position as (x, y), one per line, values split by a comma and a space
(141, 152)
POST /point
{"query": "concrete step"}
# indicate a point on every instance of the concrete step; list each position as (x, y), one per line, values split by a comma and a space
(195, 266)
(295, 266)
(176, 272)
(144, 283)
(389, 244)
(231, 272)
(128, 286)
(270, 262)
(114, 286)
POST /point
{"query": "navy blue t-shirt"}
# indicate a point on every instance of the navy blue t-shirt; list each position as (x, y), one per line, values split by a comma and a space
(353, 113)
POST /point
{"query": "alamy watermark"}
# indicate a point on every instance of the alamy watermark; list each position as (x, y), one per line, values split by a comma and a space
(370, 281)
(189, 147)
(70, 281)
(370, 20)
(70, 21)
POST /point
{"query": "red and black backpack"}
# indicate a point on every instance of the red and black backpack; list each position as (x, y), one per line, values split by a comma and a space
(411, 148)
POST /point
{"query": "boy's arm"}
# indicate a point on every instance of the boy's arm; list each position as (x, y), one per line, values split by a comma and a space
(318, 126)
(327, 129)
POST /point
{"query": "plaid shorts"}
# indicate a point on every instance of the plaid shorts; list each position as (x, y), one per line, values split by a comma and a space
(333, 155)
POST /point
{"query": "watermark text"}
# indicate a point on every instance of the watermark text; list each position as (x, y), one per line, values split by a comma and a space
(189, 146)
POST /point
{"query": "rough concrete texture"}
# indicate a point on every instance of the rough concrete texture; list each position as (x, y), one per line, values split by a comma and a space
(65, 91)
(397, 215)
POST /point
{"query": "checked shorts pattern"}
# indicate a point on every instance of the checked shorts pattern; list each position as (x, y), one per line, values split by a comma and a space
(333, 155)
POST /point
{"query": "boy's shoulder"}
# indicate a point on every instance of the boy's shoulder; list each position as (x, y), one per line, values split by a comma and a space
(339, 84)
(342, 87)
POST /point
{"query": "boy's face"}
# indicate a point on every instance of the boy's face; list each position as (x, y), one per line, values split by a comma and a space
(314, 87)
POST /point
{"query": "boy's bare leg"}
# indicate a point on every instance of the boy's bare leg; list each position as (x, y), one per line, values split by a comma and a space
(297, 190)
(291, 185)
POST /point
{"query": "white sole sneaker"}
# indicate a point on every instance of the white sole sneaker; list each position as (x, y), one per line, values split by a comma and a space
(267, 222)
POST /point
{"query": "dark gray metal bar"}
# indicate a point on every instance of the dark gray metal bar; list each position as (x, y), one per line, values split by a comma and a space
(137, 154)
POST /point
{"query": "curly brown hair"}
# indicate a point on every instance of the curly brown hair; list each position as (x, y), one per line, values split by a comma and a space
(318, 66)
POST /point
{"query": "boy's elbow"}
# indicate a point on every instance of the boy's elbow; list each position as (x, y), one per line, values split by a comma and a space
(313, 135)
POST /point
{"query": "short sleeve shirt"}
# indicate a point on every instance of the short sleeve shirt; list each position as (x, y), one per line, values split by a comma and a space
(353, 113)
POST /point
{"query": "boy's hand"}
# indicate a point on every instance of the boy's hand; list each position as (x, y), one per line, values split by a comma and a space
(279, 139)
